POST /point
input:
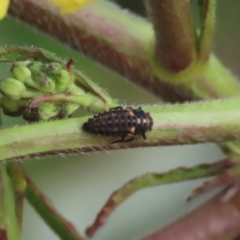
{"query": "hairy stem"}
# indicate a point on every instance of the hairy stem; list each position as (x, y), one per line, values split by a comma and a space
(188, 123)
(175, 42)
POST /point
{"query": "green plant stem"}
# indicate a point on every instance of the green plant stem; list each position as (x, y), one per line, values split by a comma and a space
(197, 122)
(13, 232)
(132, 46)
(19, 185)
(3, 228)
(64, 229)
(207, 16)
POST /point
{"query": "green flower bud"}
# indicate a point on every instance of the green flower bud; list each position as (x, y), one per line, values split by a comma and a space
(20, 72)
(63, 80)
(53, 68)
(13, 88)
(48, 110)
(47, 85)
(35, 66)
(23, 74)
(10, 104)
(38, 74)
(12, 107)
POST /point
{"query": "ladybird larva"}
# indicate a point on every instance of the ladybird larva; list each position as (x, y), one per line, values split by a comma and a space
(120, 122)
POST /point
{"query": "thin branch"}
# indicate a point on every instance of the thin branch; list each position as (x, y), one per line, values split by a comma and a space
(207, 16)
(155, 179)
(227, 177)
(63, 228)
(19, 185)
(10, 209)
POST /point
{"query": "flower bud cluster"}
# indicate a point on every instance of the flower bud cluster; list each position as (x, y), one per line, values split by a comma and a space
(32, 79)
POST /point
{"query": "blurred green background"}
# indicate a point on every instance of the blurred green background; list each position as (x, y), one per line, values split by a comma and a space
(78, 186)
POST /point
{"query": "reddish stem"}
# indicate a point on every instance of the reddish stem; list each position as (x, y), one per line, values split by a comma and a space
(175, 43)
(215, 220)
(62, 227)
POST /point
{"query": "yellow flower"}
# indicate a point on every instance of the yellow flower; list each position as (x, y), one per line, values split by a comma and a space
(68, 6)
(4, 4)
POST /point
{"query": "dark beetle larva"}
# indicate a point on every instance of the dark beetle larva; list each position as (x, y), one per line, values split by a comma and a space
(120, 122)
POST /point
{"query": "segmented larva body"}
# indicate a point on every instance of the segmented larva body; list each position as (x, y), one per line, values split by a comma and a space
(120, 122)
